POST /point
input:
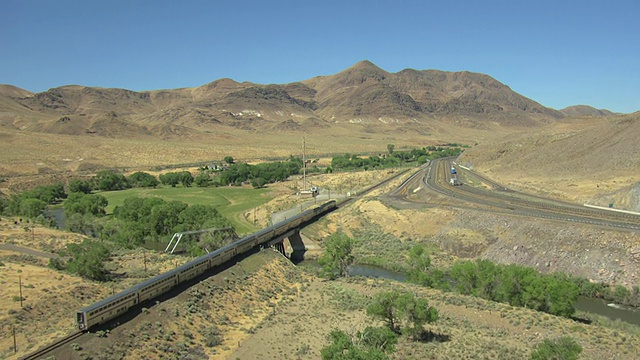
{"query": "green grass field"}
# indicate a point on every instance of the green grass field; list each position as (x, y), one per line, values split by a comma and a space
(229, 201)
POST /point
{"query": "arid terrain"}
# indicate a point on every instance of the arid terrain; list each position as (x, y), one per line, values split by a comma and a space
(264, 307)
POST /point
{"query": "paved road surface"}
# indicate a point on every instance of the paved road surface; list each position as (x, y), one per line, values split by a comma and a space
(28, 251)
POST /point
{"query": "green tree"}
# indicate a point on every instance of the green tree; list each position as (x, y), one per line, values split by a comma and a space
(186, 179)
(142, 179)
(258, 182)
(390, 148)
(419, 263)
(80, 223)
(46, 193)
(32, 207)
(465, 275)
(171, 178)
(387, 307)
(197, 217)
(81, 203)
(108, 180)
(80, 186)
(338, 256)
(228, 160)
(380, 338)
(87, 260)
(564, 348)
(561, 295)
(164, 217)
(403, 312)
(417, 313)
(202, 179)
(174, 178)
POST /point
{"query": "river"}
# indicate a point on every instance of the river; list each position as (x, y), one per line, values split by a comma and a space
(591, 305)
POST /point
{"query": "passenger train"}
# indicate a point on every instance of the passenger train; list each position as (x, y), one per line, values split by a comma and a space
(118, 304)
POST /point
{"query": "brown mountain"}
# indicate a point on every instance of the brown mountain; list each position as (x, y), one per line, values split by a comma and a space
(585, 110)
(363, 94)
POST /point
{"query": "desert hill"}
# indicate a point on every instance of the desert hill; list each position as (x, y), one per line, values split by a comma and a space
(585, 110)
(363, 94)
(587, 159)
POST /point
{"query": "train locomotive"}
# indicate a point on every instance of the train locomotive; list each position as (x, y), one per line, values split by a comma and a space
(118, 304)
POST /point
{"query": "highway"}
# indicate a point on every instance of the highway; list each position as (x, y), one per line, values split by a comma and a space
(480, 193)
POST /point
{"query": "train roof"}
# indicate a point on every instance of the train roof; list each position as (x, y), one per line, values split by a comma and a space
(110, 299)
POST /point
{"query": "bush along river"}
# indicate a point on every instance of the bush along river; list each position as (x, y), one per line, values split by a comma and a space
(591, 305)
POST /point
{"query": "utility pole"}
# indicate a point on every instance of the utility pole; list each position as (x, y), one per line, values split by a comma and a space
(304, 165)
(15, 343)
(144, 252)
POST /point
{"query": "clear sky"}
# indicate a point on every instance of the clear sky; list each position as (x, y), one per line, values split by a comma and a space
(556, 52)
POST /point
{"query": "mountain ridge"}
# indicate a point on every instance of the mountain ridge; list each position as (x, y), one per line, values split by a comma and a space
(361, 95)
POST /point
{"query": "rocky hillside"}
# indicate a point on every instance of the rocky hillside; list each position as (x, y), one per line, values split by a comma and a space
(363, 94)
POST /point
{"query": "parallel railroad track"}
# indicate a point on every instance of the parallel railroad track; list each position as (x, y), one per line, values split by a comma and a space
(509, 201)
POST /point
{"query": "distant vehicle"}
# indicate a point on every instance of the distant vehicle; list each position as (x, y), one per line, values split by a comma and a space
(313, 191)
(453, 170)
(454, 182)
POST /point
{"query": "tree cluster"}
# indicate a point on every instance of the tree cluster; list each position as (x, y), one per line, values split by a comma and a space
(516, 285)
(109, 180)
(140, 220)
(174, 178)
(512, 284)
(618, 294)
(403, 313)
(32, 203)
(392, 159)
(260, 174)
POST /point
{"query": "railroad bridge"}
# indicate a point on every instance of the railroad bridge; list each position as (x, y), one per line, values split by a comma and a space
(297, 246)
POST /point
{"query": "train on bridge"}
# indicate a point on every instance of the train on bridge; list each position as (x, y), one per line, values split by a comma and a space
(118, 304)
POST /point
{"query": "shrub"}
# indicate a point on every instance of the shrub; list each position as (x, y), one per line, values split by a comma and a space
(564, 348)
(56, 264)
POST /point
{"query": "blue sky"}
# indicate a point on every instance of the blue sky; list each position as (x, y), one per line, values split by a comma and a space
(559, 53)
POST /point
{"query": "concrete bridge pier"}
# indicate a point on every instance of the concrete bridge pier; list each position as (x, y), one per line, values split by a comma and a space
(297, 247)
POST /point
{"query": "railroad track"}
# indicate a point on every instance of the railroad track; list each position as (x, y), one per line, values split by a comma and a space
(378, 185)
(40, 353)
(505, 200)
(546, 203)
